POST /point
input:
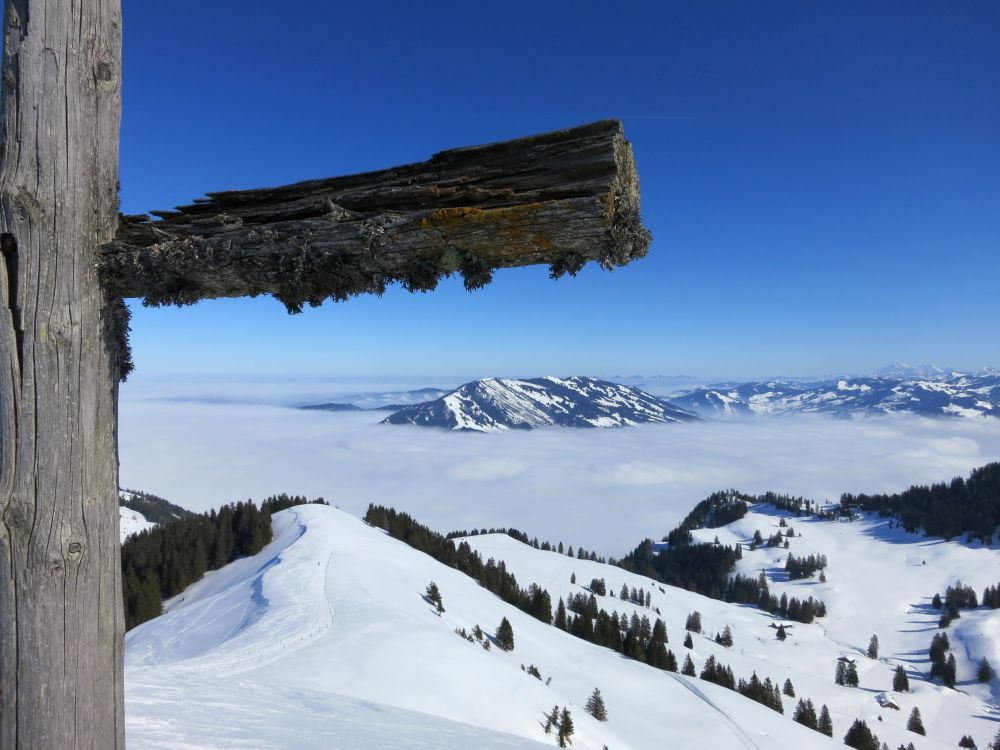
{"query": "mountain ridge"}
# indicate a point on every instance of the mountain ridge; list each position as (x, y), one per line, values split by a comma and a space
(499, 404)
(954, 395)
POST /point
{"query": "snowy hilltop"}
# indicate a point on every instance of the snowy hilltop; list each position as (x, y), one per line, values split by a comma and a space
(338, 634)
(949, 395)
(496, 404)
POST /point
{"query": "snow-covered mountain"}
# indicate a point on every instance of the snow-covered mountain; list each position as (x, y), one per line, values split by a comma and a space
(496, 404)
(955, 395)
(903, 371)
(325, 640)
(386, 401)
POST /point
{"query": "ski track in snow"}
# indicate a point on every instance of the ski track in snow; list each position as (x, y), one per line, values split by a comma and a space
(324, 640)
(736, 729)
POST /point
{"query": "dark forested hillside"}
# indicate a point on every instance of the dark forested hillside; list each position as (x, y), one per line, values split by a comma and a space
(153, 508)
(707, 568)
(949, 509)
(716, 510)
(161, 562)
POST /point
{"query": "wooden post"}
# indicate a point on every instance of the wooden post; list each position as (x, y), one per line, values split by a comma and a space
(562, 198)
(61, 623)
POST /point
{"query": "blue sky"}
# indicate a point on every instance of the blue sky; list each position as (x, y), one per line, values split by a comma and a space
(822, 180)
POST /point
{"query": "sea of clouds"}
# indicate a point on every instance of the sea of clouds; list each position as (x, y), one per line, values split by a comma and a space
(204, 443)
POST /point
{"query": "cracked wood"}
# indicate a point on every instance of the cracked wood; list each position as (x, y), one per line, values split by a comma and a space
(560, 198)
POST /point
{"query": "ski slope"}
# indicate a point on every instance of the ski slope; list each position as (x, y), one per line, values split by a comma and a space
(324, 640)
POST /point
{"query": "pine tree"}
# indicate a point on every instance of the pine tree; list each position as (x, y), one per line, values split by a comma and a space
(936, 601)
(477, 632)
(851, 675)
(873, 647)
(788, 689)
(984, 673)
(565, 728)
(572, 578)
(693, 622)
(552, 719)
(840, 677)
(561, 615)
(595, 706)
(727, 637)
(805, 714)
(825, 723)
(859, 736)
(950, 672)
(505, 635)
(915, 723)
(900, 682)
(688, 643)
(433, 594)
(688, 668)
(967, 741)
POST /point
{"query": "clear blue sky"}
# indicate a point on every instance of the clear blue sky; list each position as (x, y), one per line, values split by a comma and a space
(822, 180)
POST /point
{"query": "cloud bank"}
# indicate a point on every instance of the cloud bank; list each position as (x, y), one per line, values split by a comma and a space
(603, 489)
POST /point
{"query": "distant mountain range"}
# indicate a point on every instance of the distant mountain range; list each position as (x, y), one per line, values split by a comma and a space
(914, 391)
(497, 404)
(391, 401)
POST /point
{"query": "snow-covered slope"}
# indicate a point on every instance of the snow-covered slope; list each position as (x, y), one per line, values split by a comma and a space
(497, 404)
(879, 581)
(131, 522)
(324, 640)
(955, 395)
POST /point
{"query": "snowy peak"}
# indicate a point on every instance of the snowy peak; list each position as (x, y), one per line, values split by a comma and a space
(497, 404)
(951, 395)
(903, 371)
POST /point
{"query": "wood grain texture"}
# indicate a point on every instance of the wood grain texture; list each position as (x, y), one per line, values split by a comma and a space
(560, 198)
(61, 622)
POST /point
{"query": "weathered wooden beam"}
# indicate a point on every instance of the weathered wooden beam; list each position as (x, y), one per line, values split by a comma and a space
(562, 198)
(61, 621)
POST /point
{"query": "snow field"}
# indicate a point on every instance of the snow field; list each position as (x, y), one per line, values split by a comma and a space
(330, 619)
(879, 581)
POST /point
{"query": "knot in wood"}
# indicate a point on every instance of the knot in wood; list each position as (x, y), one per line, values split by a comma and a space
(75, 548)
(105, 71)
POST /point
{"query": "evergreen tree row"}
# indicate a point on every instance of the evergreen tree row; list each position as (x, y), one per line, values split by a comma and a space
(991, 597)
(718, 509)
(706, 569)
(152, 507)
(943, 663)
(804, 567)
(581, 553)
(962, 506)
(160, 562)
(764, 692)
(805, 714)
(491, 575)
(634, 637)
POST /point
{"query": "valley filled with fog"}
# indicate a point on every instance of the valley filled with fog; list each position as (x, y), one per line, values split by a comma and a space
(202, 444)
